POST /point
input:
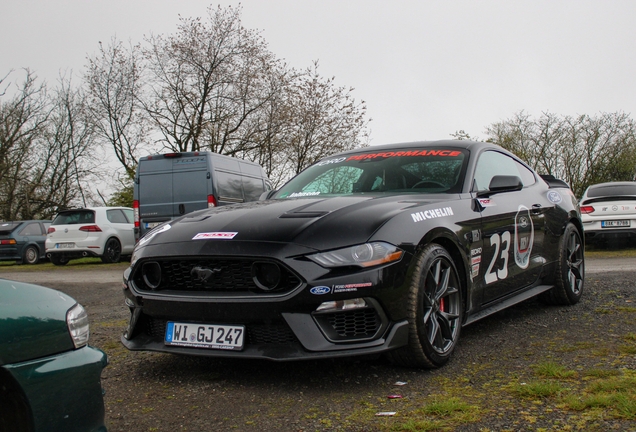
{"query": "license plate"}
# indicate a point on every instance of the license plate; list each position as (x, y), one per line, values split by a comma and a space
(211, 336)
(64, 245)
(150, 225)
(615, 223)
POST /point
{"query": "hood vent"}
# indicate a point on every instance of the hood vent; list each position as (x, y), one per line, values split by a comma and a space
(301, 214)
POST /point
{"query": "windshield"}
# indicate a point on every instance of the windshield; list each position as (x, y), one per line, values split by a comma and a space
(425, 170)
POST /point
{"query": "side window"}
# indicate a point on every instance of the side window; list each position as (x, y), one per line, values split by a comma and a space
(116, 216)
(130, 215)
(229, 186)
(492, 163)
(31, 229)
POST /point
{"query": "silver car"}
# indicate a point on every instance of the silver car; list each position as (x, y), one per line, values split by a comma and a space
(103, 232)
(608, 211)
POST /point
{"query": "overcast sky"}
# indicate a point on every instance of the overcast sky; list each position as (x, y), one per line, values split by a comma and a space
(425, 68)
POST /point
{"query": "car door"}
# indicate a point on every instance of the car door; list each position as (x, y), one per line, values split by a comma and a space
(512, 227)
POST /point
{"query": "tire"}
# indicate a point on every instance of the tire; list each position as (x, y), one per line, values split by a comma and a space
(31, 255)
(15, 414)
(570, 277)
(58, 260)
(112, 251)
(435, 311)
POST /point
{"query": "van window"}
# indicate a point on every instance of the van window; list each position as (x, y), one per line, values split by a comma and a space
(230, 188)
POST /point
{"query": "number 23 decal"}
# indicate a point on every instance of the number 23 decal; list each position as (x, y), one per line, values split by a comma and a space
(499, 242)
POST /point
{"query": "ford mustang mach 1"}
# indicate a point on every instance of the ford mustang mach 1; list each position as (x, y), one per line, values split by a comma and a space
(386, 249)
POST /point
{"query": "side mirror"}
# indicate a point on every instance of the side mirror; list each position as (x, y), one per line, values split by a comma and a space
(502, 183)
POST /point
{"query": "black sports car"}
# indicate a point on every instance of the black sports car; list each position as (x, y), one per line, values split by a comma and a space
(388, 249)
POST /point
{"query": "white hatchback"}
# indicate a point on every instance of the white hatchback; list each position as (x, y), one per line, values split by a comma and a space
(608, 210)
(103, 232)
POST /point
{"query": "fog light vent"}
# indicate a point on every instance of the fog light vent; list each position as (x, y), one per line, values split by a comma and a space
(266, 275)
(151, 272)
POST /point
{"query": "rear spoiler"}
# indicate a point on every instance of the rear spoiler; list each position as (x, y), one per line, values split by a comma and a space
(554, 182)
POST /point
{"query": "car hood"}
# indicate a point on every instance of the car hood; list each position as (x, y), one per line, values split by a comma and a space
(307, 223)
(32, 322)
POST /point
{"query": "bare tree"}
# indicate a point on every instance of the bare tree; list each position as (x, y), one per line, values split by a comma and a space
(114, 87)
(45, 148)
(207, 82)
(581, 150)
(324, 119)
(22, 120)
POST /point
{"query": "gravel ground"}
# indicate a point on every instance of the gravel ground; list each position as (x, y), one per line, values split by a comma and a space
(493, 380)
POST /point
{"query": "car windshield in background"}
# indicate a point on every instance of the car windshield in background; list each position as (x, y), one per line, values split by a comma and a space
(74, 217)
(414, 170)
(612, 190)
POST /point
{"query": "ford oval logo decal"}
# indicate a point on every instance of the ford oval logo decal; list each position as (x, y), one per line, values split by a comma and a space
(320, 290)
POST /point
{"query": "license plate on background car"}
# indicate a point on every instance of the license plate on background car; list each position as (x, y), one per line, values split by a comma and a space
(150, 225)
(615, 223)
(212, 336)
(64, 245)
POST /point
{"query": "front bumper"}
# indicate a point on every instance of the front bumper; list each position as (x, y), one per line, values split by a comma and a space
(289, 324)
(64, 391)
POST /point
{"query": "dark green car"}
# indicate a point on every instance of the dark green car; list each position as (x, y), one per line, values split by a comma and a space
(50, 379)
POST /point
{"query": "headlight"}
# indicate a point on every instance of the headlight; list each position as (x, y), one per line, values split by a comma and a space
(364, 255)
(77, 322)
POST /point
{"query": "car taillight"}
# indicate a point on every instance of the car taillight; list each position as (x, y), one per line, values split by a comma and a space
(587, 209)
(90, 228)
(136, 212)
(8, 242)
(51, 230)
(211, 201)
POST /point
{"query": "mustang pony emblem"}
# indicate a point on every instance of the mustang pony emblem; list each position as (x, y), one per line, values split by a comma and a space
(203, 273)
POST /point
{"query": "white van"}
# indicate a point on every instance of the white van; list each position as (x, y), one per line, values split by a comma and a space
(173, 184)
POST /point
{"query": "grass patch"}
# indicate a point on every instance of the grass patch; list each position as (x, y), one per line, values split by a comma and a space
(553, 370)
(537, 390)
(440, 413)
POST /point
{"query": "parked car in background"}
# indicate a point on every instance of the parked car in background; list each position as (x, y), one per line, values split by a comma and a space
(104, 232)
(23, 241)
(608, 211)
(385, 249)
(50, 379)
(170, 185)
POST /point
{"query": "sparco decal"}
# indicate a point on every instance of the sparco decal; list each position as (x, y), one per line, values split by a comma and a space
(215, 235)
(524, 236)
(432, 214)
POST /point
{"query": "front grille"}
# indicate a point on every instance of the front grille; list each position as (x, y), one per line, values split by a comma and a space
(256, 334)
(226, 276)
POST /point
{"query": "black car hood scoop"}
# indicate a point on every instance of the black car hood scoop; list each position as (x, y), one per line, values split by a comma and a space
(303, 214)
